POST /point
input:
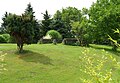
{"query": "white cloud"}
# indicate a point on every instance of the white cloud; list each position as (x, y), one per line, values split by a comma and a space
(39, 6)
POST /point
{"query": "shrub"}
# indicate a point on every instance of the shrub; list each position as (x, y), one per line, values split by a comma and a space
(2, 39)
(54, 35)
(7, 37)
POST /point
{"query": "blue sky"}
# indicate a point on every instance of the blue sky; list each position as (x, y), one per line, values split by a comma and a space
(39, 6)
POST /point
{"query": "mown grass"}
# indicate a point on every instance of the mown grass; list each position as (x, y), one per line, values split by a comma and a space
(47, 63)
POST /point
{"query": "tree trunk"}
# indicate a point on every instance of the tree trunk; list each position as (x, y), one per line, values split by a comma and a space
(78, 39)
(20, 47)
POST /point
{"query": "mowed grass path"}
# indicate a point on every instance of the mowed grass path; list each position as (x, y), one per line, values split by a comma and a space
(47, 63)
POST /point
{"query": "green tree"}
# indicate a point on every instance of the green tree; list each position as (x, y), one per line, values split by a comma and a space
(104, 16)
(21, 27)
(29, 11)
(45, 24)
(2, 30)
(58, 24)
(79, 29)
(70, 14)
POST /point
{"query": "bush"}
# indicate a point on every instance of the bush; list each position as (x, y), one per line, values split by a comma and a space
(7, 37)
(54, 35)
(2, 39)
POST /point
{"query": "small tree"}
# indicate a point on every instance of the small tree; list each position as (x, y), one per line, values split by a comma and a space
(20, 27)
(54, 35)
(79, 30)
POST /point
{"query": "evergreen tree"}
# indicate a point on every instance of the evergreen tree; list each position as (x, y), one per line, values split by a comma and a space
(45, 24)
(29, 11)
(21, 27)
(58, 24)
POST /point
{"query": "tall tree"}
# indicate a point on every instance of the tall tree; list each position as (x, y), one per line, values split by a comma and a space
(29, 11)
(104, 16)
(70, 14)
(58, 24)
(45, 24)
(80, 30)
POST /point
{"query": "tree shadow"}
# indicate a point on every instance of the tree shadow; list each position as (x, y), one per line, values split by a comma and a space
(107, 49)
(30, 56)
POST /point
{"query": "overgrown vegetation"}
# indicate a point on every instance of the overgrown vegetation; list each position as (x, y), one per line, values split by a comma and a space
(96, 68)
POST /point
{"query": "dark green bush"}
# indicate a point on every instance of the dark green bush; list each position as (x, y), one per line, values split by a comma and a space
(2, 39)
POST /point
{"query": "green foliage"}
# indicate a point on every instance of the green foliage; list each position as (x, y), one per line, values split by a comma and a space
(115, 42)
(104, 16)
(62, 21)
(2, 39)
(94, 68)
(7, 37)
(12, 40)
(21, 27)
(45, 25)
(36, 26)
(2, 31)
(59, 25)
(79, 29)
(54, 34)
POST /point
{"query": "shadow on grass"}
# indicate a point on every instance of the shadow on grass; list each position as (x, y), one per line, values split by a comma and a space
(107, 49)
(30, 56)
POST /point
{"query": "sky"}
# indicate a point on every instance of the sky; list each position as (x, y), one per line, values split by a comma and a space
(39, 6)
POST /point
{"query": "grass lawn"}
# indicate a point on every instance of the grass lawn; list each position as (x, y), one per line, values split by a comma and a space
(47, 63)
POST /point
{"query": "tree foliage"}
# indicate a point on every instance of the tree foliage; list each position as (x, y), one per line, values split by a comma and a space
(21, 27)
(59, 25)
(45, 24)
(104, 16)
(79, 29)
(54, 35)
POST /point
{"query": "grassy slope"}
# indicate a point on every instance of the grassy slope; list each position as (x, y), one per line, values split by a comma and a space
(46, 63)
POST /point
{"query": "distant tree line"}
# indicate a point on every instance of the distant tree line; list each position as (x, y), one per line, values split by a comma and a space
(91, 25)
